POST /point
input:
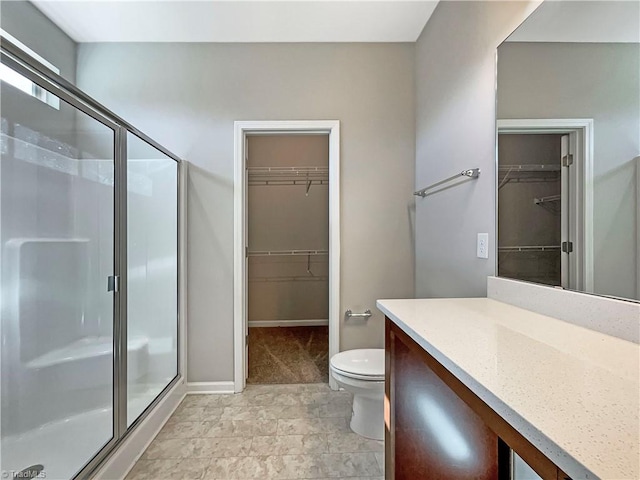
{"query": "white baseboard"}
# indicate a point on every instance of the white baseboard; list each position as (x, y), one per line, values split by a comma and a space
(210, 387)
(122, 460)
(289, 323)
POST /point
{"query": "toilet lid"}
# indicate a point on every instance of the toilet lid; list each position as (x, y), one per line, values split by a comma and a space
(366, 362)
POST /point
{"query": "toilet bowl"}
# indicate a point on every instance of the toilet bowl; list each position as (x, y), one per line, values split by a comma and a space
(361, 372)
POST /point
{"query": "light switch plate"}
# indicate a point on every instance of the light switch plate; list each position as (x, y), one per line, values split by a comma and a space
(483, 245)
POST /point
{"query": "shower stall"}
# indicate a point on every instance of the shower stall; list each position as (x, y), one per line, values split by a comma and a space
(88, 274)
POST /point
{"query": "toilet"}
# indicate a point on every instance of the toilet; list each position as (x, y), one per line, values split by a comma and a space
(361, 372)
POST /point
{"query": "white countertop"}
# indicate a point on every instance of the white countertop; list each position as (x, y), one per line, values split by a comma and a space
(573, 393)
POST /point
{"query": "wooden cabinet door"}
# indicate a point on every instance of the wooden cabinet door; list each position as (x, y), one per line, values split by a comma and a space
(434, 434)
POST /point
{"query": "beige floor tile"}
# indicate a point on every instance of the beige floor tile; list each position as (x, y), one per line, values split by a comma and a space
(296, 411)
(289, 444)
(241, 428)
(173, 469)
(268, 431)
(351, 442)
(313, 387)
(219, 447)
(152, 469)
(230, 400)
(167, 448)
(325, 397)
(295, 466)
(334, 409)
(192, 468)
(295, 388)
(177, 429)
(237, 468)
(351, 464)
(380, 459)
(304, 426)
(196, 414)
(197, 400)
(272, 412)
(283, 398)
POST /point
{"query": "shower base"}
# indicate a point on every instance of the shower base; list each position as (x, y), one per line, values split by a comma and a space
(65, 446)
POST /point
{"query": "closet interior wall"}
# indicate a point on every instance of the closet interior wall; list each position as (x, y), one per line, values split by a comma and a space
(286, 213)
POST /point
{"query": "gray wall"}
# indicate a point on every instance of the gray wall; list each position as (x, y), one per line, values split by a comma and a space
(188, 95)
(26, 23)
(588, 80)
(23, 21)
(455, 129)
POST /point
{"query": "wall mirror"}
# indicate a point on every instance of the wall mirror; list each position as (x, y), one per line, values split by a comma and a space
(568, 174)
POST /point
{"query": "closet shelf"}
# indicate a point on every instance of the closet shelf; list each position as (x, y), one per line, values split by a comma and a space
(549, 199)
(527, 173)
(551, 203)
(270, 253)
(297, 278)
(529, 248)
(288, 175)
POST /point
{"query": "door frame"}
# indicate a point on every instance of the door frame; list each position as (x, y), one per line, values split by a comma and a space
(584, 129)
(240, 283)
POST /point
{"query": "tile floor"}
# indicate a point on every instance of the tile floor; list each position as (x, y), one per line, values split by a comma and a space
(268, 431)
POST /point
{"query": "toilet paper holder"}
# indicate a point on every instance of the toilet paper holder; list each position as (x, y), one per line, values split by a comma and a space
(367, 313)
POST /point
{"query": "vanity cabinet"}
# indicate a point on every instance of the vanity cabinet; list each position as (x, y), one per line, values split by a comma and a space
(436, 428)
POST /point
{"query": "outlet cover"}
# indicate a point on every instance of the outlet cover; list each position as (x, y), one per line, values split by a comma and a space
(483, 245)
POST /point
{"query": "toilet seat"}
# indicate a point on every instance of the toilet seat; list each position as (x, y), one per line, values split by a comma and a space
(360, 364)
(355, 376)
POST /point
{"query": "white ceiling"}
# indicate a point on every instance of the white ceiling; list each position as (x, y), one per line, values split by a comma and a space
(239, 20)
(582, 21)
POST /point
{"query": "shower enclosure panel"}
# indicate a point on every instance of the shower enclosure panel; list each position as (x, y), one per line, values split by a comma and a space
(88, 276)
(152, 274)
(57, 228)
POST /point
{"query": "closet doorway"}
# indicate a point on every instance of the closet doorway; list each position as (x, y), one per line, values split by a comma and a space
(545, 201)
(288, 258)
(287, 228)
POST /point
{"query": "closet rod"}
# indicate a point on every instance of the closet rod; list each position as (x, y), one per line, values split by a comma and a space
(530, 168)
(302, 181)
(289, 279)
(529, 248)
(273, 253)
(288, 171)
(550, 198)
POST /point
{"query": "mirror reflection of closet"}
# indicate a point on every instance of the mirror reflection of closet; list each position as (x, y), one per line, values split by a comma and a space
(568, 121)
(529, 206)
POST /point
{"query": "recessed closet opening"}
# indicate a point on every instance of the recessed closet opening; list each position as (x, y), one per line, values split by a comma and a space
(530, 200)
(545, 185)
(287, 258)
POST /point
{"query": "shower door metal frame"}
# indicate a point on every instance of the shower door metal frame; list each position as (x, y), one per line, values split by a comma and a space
(23, 68)
(15, 58)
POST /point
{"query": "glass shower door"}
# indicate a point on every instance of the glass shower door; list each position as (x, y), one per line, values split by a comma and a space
(152, 274)
(57, 316)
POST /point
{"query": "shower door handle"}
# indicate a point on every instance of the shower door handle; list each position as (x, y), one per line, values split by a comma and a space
(113, 283)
